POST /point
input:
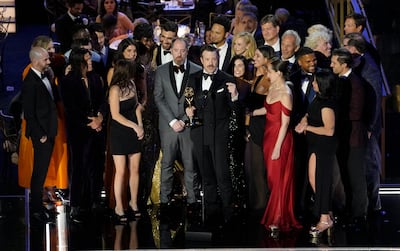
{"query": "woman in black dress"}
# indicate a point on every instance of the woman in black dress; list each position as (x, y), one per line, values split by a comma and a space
(126, 133)
(319, 126)
(254, 157)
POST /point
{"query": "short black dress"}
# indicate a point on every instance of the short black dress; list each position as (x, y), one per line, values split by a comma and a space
(124, 140)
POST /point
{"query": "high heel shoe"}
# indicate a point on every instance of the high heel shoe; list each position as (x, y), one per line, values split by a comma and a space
(120, 219)
(321, 227)
(134, 213)
(274, 231)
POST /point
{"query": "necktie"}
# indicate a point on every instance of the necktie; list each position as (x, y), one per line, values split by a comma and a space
(180, 68)
(42, 75)
(310, 95)
(206, 75)
(166, 52)
(310, 90)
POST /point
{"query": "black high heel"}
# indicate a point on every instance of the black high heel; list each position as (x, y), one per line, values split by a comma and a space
(134, 214)
(120, 219)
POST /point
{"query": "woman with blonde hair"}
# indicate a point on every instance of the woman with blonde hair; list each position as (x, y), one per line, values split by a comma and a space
(244, 44)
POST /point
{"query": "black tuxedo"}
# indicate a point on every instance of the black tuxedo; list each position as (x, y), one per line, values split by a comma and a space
(65, 28)
(300, 106)
(158, 55)
(227, 59)
(40, 112)
(213, 107)
(300, 102)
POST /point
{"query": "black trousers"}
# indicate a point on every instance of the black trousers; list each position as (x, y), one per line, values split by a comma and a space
(41, 160)
(87, 167)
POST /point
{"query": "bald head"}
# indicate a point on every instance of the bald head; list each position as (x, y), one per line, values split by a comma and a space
(39, 58)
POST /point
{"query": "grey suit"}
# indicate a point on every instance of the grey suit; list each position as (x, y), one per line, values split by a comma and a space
(171, 105)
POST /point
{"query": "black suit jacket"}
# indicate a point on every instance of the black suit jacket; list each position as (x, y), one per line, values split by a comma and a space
(227, 59)
(158, 55)
(39, 108)
(300, 103)
(213, 108)
(65, 28)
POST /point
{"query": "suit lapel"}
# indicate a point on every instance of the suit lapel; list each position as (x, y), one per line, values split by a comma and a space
(227, 60)
(172, 78)
(158, 57)
(185, 80)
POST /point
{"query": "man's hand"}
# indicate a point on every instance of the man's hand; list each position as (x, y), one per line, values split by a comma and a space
(178, 126)
(190, 111)
(43, 139)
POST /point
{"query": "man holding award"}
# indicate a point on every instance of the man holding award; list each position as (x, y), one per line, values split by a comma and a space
(215, 96)
(171, 81)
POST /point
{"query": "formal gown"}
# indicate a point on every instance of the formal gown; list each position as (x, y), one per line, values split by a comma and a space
(280, 207)
(324, 148)
(123, 139)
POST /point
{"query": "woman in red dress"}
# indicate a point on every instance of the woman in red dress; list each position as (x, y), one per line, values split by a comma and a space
(278, 150)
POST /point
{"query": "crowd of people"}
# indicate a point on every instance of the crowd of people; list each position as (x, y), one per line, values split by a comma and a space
(269, 115)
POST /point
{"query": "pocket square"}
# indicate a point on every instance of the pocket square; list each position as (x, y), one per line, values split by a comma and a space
(220, 90)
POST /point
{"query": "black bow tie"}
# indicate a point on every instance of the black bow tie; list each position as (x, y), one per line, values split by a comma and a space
(307, 76)
(42, 75)
(180, 68)
(166, 52)
(206, 75)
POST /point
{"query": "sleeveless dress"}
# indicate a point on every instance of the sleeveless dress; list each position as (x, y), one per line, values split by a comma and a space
(280, 207)
(324, 148)
(123, 139)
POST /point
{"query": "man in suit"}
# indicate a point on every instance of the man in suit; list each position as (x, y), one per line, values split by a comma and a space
(40, 112)
(290, 44)
(366, 67)
(215, 95)
(270, 28)
(170, 84)
(68, 23)
(219, 34)
(356, 22)
(351, 131)
(302, 86)
(162, 54)
(249, 23)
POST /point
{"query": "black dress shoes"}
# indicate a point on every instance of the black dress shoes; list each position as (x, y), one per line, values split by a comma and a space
(76, 215)
(41, 217)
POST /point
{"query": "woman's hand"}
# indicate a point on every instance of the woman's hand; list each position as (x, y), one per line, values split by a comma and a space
(276, 153)
(301, 127)
(139, 132)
